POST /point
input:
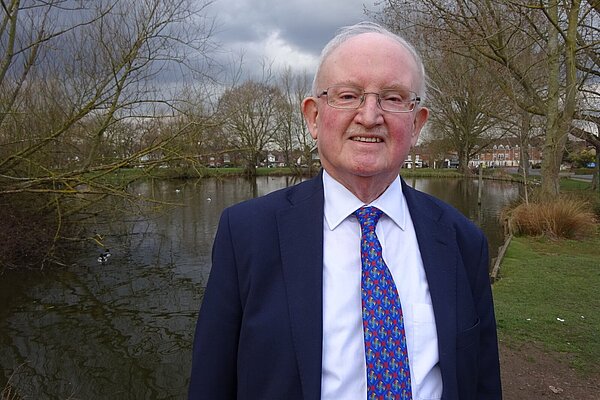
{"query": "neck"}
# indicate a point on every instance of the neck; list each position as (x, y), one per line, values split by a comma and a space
(366, 189)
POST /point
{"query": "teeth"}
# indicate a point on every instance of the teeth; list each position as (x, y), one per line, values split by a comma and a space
(367, 139)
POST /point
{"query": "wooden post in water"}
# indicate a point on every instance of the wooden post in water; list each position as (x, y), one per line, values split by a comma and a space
(480, 189)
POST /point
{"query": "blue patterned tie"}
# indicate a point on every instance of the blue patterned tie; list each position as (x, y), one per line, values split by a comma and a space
(388, 373)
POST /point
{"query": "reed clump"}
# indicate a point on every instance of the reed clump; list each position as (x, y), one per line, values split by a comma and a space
(565, 217)
(30, 230)
(9, 393)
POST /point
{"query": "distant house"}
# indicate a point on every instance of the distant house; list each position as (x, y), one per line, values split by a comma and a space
(409, 163)
(505, 153)
(275, 159)
(226, 159)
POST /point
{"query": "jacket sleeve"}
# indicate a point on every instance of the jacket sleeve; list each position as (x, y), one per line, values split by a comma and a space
(214, 356)
(488, 383)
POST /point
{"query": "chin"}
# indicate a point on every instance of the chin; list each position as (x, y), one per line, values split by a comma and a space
(369, 172)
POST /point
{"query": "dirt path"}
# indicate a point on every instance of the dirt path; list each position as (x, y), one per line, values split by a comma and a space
(529, 373)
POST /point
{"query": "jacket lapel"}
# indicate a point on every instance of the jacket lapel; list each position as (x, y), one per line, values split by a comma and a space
(439, 254)
(300, 228)
(301, 239)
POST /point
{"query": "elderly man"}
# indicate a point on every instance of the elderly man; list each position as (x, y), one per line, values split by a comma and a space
(351, 285)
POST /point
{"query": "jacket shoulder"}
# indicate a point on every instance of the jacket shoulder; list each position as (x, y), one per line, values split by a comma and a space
(424, 205)
(265, 208)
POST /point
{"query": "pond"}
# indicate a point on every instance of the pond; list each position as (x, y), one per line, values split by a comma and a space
(123, 329)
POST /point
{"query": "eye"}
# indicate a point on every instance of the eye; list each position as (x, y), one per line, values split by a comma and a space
(347, 94)
(395, 97)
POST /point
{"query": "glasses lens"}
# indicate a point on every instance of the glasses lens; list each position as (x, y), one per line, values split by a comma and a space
(397, 100)
(344, 97)
(351, 97)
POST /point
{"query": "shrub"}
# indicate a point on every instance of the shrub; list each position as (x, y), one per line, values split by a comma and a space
(30, 230)
(9, 393)
(593, 199)
(563, 218)
(497, 173)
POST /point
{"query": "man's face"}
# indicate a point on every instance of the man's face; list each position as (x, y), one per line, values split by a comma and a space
(366, 143)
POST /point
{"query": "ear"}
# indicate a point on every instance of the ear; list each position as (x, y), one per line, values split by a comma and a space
(421, 116)
(311, 115)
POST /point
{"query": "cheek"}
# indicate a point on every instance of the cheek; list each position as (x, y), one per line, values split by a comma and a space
(404, 133)
(327, 124)
(334, 121)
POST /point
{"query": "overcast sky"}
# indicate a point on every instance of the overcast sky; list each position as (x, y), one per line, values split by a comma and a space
(285, 32)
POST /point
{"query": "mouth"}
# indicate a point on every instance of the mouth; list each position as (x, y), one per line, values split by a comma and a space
(364, 139)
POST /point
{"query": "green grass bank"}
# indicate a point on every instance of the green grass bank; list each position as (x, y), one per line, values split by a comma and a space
(125, 175)
(548, 294)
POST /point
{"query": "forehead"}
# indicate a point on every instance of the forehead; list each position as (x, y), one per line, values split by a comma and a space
(370, 60)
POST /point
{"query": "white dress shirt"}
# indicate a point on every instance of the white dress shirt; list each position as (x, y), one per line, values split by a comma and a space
(344, 370)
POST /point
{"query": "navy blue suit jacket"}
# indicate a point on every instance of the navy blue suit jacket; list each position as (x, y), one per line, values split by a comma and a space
(259, 332)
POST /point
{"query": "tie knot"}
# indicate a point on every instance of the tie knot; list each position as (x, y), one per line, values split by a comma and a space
(368, 216)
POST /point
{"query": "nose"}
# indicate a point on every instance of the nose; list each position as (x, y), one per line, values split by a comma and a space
(369, 113)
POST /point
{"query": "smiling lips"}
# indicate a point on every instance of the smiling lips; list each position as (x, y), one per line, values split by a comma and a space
(367, 139)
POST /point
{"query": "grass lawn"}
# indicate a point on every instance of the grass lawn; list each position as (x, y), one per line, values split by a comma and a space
(431, 173)
(548, 294)
(567, 184)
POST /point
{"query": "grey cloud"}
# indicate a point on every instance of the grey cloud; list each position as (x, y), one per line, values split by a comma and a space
(304, 25)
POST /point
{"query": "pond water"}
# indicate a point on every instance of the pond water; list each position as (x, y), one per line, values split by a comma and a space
(123, 329)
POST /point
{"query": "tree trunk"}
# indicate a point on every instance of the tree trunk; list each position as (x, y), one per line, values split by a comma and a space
(596, 176)
(553, 152)
(560, 108)
(463, 163)
(524, 143)
(251, 161)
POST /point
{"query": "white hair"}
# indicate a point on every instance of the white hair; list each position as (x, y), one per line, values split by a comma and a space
(360, 28)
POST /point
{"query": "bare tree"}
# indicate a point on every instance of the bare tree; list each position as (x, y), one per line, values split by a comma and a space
(294, 138)
(74, 77)
(587, 123)
(530, 50)
(467, 109)
(587, 126)
(251, 119)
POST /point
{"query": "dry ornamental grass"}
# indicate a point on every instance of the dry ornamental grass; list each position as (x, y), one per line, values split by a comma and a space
(563, 218)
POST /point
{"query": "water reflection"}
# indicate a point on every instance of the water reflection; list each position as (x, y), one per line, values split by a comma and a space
(463, 194)
(123, 329)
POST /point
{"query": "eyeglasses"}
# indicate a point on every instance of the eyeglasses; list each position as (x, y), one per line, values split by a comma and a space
(352, 97)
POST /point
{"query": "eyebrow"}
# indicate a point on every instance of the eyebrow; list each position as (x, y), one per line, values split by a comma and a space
(399, 88)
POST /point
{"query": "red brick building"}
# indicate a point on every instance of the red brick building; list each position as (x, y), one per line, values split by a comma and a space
(505, 153)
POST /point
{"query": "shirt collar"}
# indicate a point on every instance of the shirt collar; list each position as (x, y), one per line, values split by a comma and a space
(340, 202)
